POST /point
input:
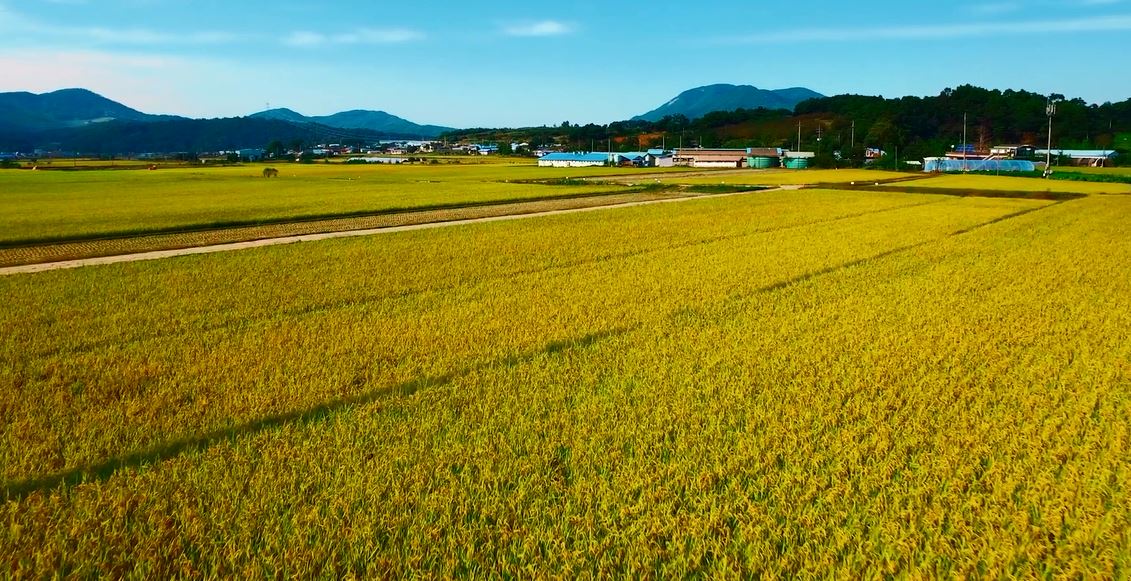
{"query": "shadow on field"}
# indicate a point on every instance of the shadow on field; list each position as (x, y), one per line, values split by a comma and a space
(104, 470)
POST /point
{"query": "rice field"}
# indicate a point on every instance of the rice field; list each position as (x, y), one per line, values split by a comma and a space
(47, 205)
(786, 177)
(1016, 184)
(781, 384)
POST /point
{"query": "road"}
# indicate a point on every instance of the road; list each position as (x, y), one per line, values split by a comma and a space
(160, 254)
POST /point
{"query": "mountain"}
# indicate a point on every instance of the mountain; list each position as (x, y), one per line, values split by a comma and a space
(80, 120)
(379, 121)
(700, 101)
(29, 112)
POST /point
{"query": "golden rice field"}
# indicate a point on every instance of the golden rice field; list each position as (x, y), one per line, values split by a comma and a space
(786, 177)
(780, 384)
(59, 205)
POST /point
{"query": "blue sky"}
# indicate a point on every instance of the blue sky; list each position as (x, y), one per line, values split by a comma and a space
(509, 63)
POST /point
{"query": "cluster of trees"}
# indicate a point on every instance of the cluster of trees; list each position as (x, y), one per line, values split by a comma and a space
(910, 127)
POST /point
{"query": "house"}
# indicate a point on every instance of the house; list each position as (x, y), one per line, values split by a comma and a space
(633, 159)
(575, 159)
(252, 154)
(1082, 157)
(661, 158)
(967, 152)
(1012, 152)
(706, 158)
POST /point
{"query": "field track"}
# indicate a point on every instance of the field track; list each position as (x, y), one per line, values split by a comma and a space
(228, 247)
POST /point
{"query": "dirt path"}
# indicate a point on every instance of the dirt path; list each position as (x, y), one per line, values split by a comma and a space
(159, 254)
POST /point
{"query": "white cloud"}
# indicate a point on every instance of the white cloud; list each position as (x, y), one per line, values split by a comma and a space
(308, 39)
(13, 24)
(541, 28)
(938, 31)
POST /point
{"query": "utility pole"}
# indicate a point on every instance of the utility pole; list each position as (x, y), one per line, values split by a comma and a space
(798, 136)
(1050, 110)
(964, 166)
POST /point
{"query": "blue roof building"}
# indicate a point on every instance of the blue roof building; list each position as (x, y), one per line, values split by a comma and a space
(575, 159)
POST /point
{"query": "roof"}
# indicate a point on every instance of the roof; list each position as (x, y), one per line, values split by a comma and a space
(800, 154)
(1080, 153)
(657, 152)
(593, 157)
(764, 152)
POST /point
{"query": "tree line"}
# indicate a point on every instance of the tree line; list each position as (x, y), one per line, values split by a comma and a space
(913, 127)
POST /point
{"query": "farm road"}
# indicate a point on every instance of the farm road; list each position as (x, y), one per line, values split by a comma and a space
(159, 254)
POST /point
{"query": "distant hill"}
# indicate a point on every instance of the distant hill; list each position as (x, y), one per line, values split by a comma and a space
(81, 120)
(379, 121)
(29, 112)
(700, 101)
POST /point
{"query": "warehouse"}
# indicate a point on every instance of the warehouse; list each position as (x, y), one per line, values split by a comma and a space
(735, 158)
(574, 159)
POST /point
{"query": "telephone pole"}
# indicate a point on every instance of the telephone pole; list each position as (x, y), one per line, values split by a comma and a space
(1050, 110)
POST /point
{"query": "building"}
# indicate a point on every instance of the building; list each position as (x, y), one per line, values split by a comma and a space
(1012, 152)
(575, 159)
(947, 164)
(763, 157)
(1082, 157)
(707, 158)
(633, 158)
(798, 159)
(660, 158)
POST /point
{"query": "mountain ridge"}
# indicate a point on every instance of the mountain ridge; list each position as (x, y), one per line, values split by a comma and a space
(65, 108)
(356, 119)
(25, 113)
(697, 102)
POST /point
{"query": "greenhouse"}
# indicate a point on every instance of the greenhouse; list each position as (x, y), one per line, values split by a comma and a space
(942, 164)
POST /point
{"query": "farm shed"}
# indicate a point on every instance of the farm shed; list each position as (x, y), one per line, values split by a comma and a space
(1083, 157)
(798, 159)
(763, 157)
(660, 158)
(942, 164)
(574, 159)
(711, 157)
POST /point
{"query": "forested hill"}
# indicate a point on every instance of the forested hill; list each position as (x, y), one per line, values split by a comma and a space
(991, 117)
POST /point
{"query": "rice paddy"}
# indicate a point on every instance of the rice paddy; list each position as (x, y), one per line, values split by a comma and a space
(781, 384)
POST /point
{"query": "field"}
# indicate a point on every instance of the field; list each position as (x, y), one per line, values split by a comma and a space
(784, 383)
(60, 205)
(1017, 184)
(784, 177)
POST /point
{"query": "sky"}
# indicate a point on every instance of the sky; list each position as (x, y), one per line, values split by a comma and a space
(522, 63)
